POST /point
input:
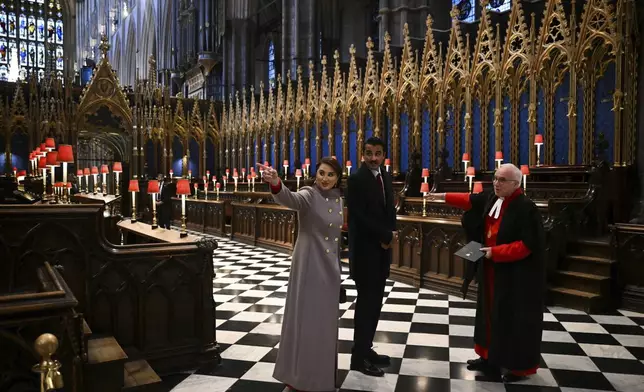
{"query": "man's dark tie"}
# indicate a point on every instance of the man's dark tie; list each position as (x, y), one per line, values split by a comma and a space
(382, 185)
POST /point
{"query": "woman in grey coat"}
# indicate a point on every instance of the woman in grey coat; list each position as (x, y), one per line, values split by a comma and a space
(307, 357)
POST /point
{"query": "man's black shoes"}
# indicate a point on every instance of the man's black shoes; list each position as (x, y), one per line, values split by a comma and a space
(380, 360)
(368, 368)
(478, 364)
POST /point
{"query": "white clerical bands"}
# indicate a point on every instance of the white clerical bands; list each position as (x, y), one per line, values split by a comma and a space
(496, 208)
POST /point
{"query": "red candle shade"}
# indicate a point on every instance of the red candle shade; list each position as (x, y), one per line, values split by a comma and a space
(387, 162)
(94, 170)
(303, 166)
(105, 169)
(425, 173)
(86, 171)
(525, 170)
(37, 150)
(471, 172)
(31, 156)
(52, 159)
(286, 162)
(227, 171)
(214, 178)
(117, 167)
(42, 163)
(424, 187)
(79, 172)
(196, 186)
(298, 173)
(50, 142)
(183, 187)
(65, 153)
(153, 186)
(208, 173)
(349, 163)
(478, 187)
(134, 186)
(248, 177)
(254, 175)
(334, 157)
(58, 185)
(218, 185)
(307, 161)
(498, 155)
(466, 157)
(22, 173)
(69, 185)
(43, 147)
(538, 139)
(205, 179)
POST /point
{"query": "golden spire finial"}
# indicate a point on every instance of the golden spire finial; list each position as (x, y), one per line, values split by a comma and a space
(279, 79)
(324, 60)
(370, 44)
(336, 55)
(311, 67)
(387, 37)
(454, 12)
(428, 21)
(299, 71)
(104, 45)
(352, 50)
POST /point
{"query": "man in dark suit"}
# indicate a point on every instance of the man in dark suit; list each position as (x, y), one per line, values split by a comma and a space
(164, 204)
(372, 229)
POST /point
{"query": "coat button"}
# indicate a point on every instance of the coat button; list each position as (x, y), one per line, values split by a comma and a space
(340, 212)
(327, 251)
(330, 224)
(327, 199)
(330, 210)
(336, 240)
(326, 238)
(337, 200)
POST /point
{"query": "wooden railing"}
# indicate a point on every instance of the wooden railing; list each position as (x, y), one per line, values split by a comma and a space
(136, 293)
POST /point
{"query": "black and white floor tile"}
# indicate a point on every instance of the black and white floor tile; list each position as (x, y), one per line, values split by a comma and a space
(427, 334)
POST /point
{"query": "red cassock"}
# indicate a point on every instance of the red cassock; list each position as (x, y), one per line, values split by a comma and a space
(505, 253)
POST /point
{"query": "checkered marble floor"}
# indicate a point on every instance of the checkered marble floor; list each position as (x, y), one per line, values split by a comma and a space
(427, 334)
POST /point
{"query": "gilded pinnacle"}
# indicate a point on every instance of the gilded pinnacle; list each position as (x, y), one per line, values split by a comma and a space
(370, 44)
(454, 12)
(352, 50)
(324, 60)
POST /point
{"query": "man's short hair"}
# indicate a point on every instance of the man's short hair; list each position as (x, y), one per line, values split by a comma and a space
(374, 141)
(516, 172)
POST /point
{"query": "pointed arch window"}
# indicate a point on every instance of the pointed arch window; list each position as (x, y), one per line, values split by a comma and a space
(271, 64)
(31, 36)
(466, 10)
(500, 5)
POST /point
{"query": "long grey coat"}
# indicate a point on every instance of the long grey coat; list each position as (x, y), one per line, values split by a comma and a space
(307, 358)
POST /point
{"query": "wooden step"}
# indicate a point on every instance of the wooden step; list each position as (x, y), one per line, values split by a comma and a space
(581, 281)
(588, 265)
(593, 247)
(139, 376)
(576, 299)
(104, 367)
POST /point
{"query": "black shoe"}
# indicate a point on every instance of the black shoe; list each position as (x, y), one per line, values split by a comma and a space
(509, 377)
(380, 360)
(368, 368)
(478, 364)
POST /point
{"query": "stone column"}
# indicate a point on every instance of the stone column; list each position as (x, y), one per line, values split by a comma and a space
(286, 40)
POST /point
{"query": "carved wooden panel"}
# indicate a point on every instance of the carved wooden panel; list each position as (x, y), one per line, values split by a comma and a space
(277, 227)
(194, 215)
(243, 223)
(214, 219)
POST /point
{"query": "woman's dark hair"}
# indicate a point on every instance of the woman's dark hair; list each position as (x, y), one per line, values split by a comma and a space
(335, 165)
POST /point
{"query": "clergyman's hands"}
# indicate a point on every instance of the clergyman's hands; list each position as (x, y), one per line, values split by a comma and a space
(488, 252)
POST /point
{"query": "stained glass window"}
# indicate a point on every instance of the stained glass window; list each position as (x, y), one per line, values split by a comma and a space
(500, 5)
(31, 36)
(466, 10)
(271, 64)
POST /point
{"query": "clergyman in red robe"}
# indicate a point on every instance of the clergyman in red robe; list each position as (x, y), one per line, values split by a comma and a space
(511, 282)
